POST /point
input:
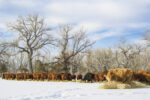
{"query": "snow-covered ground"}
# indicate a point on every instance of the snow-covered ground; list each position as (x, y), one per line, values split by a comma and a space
(33, 90)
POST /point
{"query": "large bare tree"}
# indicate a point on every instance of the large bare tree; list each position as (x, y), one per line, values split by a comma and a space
(71, 43)
(33, 35)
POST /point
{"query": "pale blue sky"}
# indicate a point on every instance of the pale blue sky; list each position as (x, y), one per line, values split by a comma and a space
(106, 21)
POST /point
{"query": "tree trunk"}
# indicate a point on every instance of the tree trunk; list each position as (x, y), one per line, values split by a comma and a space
(30, 63)
(66, 67)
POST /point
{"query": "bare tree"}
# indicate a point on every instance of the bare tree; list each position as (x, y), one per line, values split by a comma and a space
(129, 54)
(32, 36)
(3, 59)
(146, 37)
(71, 44)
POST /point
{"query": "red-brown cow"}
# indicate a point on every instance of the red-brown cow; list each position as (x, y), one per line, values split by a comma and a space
(63, 77)
(142, 76)
(36, 76)
(79, 77)
(43, 76)
(96, 77)
(19, 76)
(49, 76)
(56, 76)
(28, 76)
(102, 76)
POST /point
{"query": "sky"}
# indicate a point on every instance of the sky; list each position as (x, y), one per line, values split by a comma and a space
(106, 21)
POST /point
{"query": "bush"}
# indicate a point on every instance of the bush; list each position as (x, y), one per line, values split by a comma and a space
(120, 85)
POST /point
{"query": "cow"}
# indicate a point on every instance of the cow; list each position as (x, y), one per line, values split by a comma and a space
(43, 76)
(73, 77)
(79, 77)
(36, 76)
(19, 76)
(96, 78)
(122, 75)
(49, 76)
(3, 76)
(63, 76)
(89, 77)
(28, 76)
(12, 76)
(69, 76)
(56, 76)
(102, 76)
(142, 76)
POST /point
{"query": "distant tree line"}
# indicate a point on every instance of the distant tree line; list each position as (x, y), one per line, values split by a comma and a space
(32, 50)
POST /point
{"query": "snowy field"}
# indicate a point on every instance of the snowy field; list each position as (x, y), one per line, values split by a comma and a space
(27, 90)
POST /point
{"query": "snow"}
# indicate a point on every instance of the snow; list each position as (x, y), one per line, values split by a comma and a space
(37, 90)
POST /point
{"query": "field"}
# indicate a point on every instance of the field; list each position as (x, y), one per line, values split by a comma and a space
(37, 90)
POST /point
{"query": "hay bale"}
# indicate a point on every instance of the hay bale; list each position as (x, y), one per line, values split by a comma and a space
(121, 75)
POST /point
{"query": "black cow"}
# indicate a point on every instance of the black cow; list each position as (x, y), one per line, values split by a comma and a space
(89, 77)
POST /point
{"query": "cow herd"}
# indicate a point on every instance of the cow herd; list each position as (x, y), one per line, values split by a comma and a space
(142, 76)
(54, 76)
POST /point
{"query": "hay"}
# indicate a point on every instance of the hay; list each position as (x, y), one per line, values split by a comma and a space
(120, 85)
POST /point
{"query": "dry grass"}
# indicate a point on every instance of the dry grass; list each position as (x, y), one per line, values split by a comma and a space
(120, 85)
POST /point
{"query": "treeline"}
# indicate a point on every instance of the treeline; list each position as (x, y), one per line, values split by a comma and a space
(38, 48)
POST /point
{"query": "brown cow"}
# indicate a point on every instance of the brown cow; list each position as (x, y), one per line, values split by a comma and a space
(49, 76)
(63, 76)
(79, 77)
(6, 76)
(43, 76)
(36, 76)
(142, 76)
(56, 76)
(101, 76)
(96, 77)
(19, 76)
(28, 76)
(12, 76)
